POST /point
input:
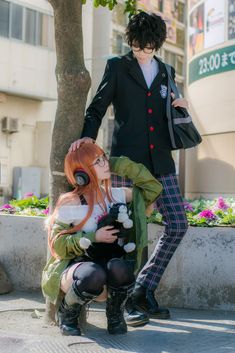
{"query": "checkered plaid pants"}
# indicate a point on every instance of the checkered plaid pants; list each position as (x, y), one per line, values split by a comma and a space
(170, 205)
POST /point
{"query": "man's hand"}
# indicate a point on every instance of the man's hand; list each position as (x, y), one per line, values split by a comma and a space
(179, 102)
(149, 210)
(106, 234)
(77, 144)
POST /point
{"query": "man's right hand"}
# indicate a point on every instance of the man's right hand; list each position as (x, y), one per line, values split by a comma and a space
(106, 234)
(77, 144)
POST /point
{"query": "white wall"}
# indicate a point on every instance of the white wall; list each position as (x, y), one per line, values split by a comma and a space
(27, 70)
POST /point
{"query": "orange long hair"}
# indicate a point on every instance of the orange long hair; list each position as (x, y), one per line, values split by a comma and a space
(82, 159)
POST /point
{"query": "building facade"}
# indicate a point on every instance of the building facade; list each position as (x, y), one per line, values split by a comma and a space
(210, 168)
(28, 94)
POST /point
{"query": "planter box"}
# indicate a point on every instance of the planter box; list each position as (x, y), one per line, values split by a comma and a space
(201, 273)
(23, 249)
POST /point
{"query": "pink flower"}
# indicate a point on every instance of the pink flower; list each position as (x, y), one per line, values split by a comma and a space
(7, 208)
(188, 206)
(46, 211)
(208, 214)
(221, 204)
(28, 194)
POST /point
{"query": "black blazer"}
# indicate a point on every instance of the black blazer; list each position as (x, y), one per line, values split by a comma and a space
(140, 125)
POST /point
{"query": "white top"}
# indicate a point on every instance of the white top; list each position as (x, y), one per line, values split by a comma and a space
(75, 214)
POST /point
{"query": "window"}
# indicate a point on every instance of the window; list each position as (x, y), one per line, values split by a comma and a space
(179, 65)
(170, 58)
(43, 27)
(117, 49)
(25, 24)
(16, 21)
(181, 8)
(30, 26)
(175, 60)
(51, 38)
(180, 37)
(4, 18)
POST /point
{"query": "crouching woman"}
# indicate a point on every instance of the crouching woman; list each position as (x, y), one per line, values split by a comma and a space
(86, 263)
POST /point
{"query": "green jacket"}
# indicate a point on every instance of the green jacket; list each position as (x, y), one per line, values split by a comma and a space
(145, 190)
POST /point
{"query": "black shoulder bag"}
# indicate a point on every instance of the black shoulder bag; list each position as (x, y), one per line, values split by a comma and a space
(183, 133)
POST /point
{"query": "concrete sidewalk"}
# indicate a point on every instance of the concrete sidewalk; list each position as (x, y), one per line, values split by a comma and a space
(188, 331)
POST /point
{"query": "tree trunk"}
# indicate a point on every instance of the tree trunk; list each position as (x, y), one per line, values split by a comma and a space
(73, 83)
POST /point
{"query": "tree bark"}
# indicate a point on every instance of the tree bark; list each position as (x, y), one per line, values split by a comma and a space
(73, 83)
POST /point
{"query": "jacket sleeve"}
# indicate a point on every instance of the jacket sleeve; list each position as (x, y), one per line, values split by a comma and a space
(139, 174)
(67, 246)
(103, 98)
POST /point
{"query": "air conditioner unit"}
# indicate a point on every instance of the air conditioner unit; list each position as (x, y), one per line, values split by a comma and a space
(10, 125)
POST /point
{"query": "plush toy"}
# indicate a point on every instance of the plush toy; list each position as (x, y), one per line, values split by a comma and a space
(118, 217)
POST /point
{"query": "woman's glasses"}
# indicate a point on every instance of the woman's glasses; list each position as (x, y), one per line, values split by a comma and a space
(100, 161)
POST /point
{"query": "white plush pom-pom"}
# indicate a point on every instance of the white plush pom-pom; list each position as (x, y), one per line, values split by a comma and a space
(129, 247)
(84, 243)
(122, 217)
(122, 209)
(128, 224)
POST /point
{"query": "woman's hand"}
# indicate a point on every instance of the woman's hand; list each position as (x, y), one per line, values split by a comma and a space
(179, 102)
(106, 234)
(77, 144)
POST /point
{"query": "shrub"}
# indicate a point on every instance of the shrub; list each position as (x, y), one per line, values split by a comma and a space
(205, 213)
(29, 206)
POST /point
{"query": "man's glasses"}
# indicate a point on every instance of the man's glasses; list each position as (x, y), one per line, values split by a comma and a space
(100, 161)
(146, 50)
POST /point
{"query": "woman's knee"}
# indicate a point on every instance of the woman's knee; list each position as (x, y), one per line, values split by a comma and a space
(90, 277)
(119, 272)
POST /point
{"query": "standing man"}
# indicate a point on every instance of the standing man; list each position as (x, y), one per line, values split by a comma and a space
(136, 85)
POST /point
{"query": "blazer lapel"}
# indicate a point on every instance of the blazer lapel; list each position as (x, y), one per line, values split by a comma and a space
(160, 76)
(135, 70)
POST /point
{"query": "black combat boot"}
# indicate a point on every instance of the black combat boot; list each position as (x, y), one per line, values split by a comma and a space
(115, 309)
(144, 299)
(70, 310)
(133, 316)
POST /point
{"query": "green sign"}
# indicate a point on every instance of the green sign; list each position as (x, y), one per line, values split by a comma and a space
(212, 63)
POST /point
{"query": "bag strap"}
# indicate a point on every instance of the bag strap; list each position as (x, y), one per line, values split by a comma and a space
(82, 200)
(173, 86)
(168, 106)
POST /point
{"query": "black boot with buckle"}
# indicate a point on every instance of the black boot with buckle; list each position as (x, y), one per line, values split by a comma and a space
(144, 300)
(70, 309)
(115, 309)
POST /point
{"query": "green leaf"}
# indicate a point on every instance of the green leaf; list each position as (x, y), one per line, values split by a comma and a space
(96, 3)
